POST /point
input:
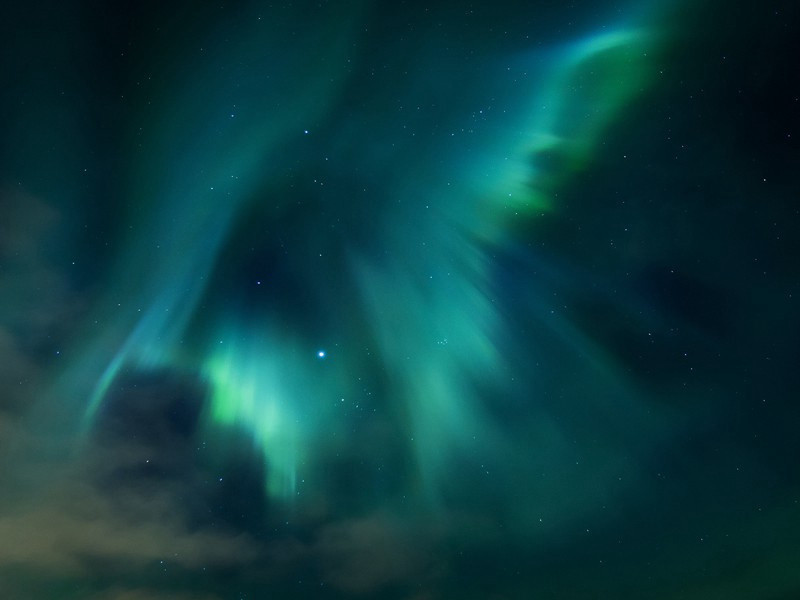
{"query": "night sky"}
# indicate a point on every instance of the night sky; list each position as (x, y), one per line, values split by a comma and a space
(417, 301)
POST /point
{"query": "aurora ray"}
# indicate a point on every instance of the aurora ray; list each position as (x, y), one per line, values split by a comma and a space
(213, 170)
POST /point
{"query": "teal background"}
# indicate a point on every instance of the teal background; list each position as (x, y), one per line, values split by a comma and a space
(549, 251)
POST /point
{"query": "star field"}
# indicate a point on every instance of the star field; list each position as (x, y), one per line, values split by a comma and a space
(399, 300)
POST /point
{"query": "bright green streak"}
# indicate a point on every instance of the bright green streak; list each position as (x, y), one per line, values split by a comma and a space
(246, 393)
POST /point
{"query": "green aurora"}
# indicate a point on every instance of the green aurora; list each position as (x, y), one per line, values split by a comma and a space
(399, 301)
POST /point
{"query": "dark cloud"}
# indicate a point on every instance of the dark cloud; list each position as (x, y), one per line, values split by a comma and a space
(73, 524)
(364, 555)
(39, 307)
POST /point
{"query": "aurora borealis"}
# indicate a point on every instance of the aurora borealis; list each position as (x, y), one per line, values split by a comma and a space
(399, 300)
